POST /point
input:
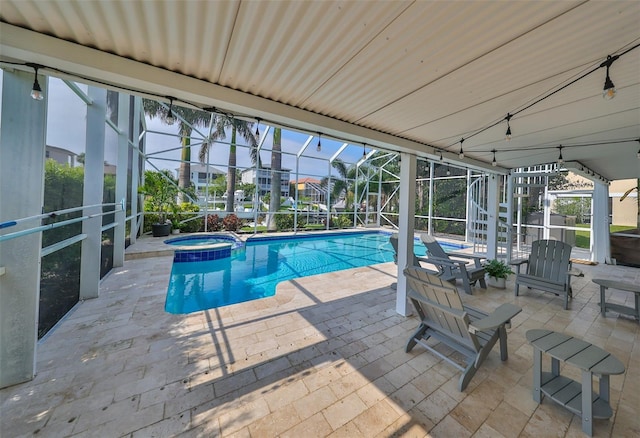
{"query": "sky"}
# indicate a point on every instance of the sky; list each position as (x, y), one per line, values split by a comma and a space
(66, 129)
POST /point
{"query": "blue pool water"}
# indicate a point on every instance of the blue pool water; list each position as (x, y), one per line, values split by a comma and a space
(254, 271)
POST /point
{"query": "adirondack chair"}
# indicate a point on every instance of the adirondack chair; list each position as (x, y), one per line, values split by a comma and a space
(393, 239)
(444, 318)
(548, 269)
(454, 266)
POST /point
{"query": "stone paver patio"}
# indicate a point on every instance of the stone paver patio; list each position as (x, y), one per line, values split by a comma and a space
(324, 357)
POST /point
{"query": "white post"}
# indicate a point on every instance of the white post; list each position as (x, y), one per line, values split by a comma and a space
(92, 193)
(135, 165)
(546, 206)
(493, 209)
(22, 148)
(121, 178)
(406, 219)
(600, 222)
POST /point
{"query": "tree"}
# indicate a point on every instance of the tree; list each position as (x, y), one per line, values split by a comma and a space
(191, 119)
(627, 193)
(276, 167)
(221, 123)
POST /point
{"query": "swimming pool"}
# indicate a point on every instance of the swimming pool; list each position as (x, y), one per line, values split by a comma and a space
(253, 271)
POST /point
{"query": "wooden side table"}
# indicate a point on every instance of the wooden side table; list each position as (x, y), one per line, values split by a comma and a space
(579, 398)
(627, 287)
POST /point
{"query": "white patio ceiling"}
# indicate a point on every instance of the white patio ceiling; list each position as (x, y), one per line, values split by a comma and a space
(406, 75)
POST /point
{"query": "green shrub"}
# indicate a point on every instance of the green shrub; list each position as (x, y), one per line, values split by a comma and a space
(342, 222)
(284, 222)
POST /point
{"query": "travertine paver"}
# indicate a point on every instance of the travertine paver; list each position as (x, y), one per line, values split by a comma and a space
(324, 357)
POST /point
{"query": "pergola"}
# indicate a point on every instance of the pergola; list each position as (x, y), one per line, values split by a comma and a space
(439, 80)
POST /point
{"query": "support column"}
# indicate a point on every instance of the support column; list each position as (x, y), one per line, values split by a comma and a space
(493, 210)
(135, 165)
(600, 243)
(121, 178)
(22, 152)
(406, 218)
(93, 189)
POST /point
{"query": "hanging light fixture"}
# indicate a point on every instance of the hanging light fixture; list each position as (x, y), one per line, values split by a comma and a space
(319, 147)
(36, 91)
(364, 151)
(638, 140)
(170, 118)
(609, 91)
(494, 163)
(461, 153)
(560, 159)
(508, 133)
(257, 130)
(441, 158)
(448, 170)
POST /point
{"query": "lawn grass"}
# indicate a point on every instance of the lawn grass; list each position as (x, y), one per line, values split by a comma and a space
(582, 237)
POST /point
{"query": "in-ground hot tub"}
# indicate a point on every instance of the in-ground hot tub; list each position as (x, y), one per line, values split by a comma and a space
(203, 247)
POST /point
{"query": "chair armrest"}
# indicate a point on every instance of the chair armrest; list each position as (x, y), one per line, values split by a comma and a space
(497, 318)
(477, 259)
(440, 261)
(518, 263)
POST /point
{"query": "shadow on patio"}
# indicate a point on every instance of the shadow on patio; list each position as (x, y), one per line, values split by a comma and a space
(324, 357)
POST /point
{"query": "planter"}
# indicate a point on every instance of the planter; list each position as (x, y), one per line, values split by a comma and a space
(625, 247)
(160, 230)
(499, 283)
(175, 231)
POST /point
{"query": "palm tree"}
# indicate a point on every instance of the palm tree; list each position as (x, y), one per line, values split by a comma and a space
(627, 193)
(276, 167)
(185, 128)
(221, 123)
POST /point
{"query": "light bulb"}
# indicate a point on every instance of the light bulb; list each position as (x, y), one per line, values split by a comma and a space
(560, 159)
(508, 133)
(638, 154)
(319, 147)
(36, 91)
(494, 163)
(170, 118)
(609, 93)
(461, 154)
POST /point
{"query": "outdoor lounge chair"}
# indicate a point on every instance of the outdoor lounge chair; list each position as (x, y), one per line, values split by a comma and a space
(444, 318)
(453, 266)
(548, 269)
(393, 239)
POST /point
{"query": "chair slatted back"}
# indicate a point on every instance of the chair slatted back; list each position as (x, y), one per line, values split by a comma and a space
(435, 250)
(433, 247)
(439, 304)
(550, 259)
(393, 239)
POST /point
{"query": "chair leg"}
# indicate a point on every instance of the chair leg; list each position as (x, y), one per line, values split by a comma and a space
(483, 283)
(517, 289)
(467, 375)
(504, 354)
(417, 335)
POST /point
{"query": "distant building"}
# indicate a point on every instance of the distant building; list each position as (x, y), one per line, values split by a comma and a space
(199, 177)
(311, 189)
(625, 212)
(262, 179)
(60, 155)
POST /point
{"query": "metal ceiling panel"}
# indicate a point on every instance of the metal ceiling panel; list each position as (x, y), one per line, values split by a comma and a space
(429, 72)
